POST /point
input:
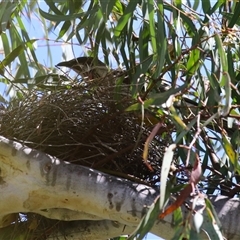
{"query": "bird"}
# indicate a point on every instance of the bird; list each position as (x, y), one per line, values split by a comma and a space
(86, 67)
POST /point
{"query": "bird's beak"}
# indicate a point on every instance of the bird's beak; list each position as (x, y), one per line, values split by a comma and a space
(62, 64)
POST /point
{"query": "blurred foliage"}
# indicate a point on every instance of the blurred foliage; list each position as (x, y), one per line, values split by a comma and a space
(182, 60)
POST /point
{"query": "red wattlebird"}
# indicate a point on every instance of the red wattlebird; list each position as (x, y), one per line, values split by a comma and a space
(87, 67)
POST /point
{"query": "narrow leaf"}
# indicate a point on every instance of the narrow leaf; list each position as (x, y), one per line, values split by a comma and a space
(124, 19)
(106, 7)
(167, 161)
(184, 194)
(147, 222)
(212, 225)
(226, 82)
(206, 6)
(64, 29)
(235, 16)
(229, 150)
(148, 141)
(60, 18)
(221, 52)
(193, 61)
(157, 99)
(14, 54)
(152, 29)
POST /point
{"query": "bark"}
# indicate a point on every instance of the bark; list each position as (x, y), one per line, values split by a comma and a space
(102, 206)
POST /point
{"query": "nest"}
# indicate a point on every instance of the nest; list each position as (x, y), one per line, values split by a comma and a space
(86, 124)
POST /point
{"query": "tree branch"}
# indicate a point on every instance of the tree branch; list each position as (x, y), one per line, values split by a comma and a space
(104, 206)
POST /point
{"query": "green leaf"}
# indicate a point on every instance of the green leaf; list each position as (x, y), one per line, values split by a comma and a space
(221, 52)
(26, 37)
(166, 164)
(161, 40)
(230, 152)
(143, 42)
(226, 82)
(51, 79)
(212, 224)
(137, 79)
(64, 29)
(14, 54)
(229, 16)
(225, 79)
(100, 31)
(118, 8)
(157, 99)
(217, 5)
(53, 8)
(195, 5)
(235, 17)
(186, 20)
(107, 7)
(181, 125)
(7, 8)
(193, 62)
(177, 217)
(150, 18)
(126, 16)
(3, 5)
(16, 40)
(60, 18)
(206, 6)
(147, 222)
(6, 45)
(230, 60)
